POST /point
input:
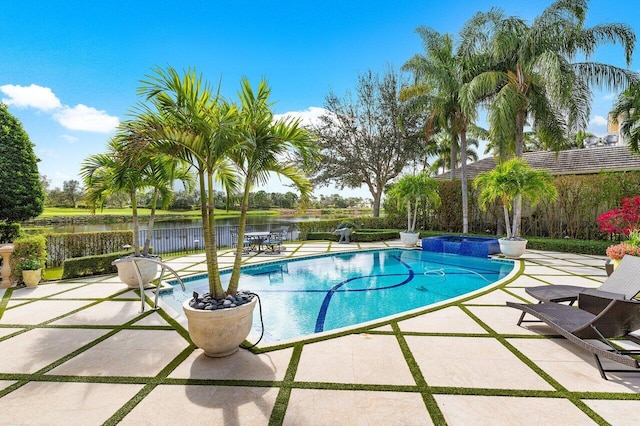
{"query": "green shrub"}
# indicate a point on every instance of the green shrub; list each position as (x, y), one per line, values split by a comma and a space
(332, 224)
(91, 265)
(67, 245)
(26, 247)
(9, 232)
(567, 245)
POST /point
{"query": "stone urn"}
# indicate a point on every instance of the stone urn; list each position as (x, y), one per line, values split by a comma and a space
(127, 273)
(513, 248)
(409, 239)
(219, 332)
(31, 278)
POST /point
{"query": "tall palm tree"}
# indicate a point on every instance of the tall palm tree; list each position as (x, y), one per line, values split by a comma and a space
(270, 147)
(439, 76)
(533, 76)
(627, 107)
(191, 122)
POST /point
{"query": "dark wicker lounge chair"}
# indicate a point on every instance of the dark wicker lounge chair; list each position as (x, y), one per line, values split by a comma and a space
(624, 283)
(598, 318)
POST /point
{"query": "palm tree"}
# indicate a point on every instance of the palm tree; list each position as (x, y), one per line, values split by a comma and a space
(270, 146)
(532, 76)
(192, 123)
(440, 147)
(627, 107)
(125, 170)
(511, 180)
(411, 190)
(439, 76)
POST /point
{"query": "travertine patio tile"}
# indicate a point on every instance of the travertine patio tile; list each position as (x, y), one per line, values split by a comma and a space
(447, 320)
(7, 331)
(243, 365)
(496, 297)
(92, 291)
(599, 263)
(112, 279)
(555, 263)
(619, 413)
(48, 403)
(544, 270)
(521, 292)
(43, 290)
(204, 405)
(476, 362)
(41, 311)
(573, 367)
(384, 328)
(528, 281)
(503, 320)
(5, 384)
(335, 407)
(111, 312)
(585, 270)
(153, 319)
(504, 410)
(127, 353)
(572, 280)
(29, 352)
(355, 358)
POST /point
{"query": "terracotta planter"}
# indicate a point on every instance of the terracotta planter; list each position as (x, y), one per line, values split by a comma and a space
(32, 278)
(127, 273)
(409, 239)
(219, 333)
(512, 248)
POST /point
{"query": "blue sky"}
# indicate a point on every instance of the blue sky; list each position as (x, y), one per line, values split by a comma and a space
(69, 70)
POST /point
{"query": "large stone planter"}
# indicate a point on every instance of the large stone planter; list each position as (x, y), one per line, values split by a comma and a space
(512, 248)
(409, 239)
(127, 273)
(32, 278)
(219, 332)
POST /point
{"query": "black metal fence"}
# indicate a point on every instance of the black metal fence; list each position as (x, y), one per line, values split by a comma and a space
(191, 239)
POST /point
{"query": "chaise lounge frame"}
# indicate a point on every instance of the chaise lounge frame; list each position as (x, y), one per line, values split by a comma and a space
(598, 318)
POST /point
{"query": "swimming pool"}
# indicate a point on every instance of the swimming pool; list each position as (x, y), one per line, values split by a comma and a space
(328, 292)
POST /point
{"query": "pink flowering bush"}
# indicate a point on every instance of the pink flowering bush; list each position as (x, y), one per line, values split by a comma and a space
(617, 251)
(623, 219)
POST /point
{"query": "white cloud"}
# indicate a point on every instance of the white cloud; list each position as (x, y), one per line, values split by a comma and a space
(610, 96)
(308, 117)
(69, 138)
(48, 153)
(33, 96)
(82, 117)
(598, 120)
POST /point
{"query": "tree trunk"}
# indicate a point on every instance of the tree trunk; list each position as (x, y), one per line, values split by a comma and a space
(507, 226)
(463, 179)
(452, 162)
(377, 197)
(517, 213)
(152, 219)
(136, 226)
(237, 262)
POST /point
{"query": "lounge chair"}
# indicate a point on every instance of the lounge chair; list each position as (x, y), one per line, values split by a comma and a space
(624, 282)
(598, 318)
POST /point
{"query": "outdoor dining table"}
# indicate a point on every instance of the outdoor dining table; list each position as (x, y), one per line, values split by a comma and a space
(257, 239)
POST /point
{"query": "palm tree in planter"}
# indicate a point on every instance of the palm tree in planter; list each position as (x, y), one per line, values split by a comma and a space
(123, 169)
(412, 190)
(510, 181)
(195, 124)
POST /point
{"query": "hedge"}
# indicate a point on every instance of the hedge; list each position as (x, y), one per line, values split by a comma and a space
(65, 246)
(9, 232)
(91, 265)
(567, 245)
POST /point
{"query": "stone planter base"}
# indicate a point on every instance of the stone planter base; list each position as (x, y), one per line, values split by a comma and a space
(32, 278)
(409, 239)
(127, 274)
(220, 332)
(512, 248)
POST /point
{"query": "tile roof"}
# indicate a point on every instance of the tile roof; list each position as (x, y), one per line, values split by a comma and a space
(570, 162)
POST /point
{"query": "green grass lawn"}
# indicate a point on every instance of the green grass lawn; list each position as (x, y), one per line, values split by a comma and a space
(220, 214)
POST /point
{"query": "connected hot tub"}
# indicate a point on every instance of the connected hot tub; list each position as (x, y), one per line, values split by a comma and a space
(464, 245)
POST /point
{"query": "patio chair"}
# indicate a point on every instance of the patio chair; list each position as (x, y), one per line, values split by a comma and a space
(247, 244)
(624, 283)
(598, 318)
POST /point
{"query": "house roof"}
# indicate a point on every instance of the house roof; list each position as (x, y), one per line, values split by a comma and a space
(570, 162)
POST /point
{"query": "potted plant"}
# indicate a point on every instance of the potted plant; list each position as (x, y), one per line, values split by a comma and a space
(236, 146)
(31, 268)
(623, 220)
(511, 182)
(410, 191)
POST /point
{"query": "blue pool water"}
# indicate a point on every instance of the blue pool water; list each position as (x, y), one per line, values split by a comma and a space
(312, 295)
